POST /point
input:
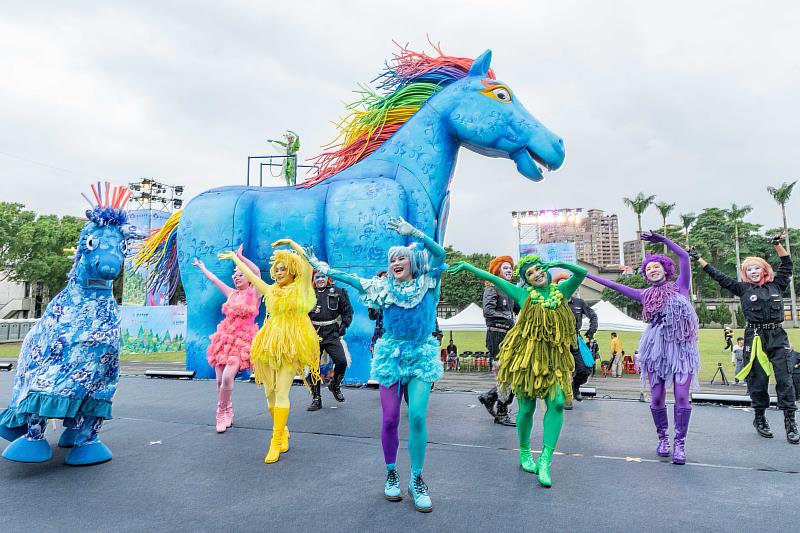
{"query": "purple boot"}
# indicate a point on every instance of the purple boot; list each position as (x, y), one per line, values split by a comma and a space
(682, 416)
(662, 428)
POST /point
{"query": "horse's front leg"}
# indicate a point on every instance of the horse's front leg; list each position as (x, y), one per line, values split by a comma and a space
(88, 449)
(31, 447)
(70, 434)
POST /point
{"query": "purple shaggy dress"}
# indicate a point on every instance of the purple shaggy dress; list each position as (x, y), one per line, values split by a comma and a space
(669, 344)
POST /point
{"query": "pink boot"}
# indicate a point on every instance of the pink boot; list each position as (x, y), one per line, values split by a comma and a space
(226, 394)
(222, 401)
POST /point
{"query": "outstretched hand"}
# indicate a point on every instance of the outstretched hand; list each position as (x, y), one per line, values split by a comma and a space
(196, 262)
(240, 250)
(651, 236)
(693, 253)
(400, 226)
(312, 259)
(458, 266)
(229, 255)
(776, 239)
(283, 242)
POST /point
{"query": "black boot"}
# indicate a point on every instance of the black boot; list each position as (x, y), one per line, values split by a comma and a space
(761, 425)
(576, 393)
(335, 386)
(791, 427)
(488, 400)
(502, 417)
(316, 398)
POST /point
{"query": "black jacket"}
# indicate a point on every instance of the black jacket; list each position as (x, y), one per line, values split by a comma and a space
(498, 309)
(580, 308)
(760, 304)
(332, 304)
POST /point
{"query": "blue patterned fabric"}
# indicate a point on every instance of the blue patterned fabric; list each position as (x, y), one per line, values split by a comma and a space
(69, 362)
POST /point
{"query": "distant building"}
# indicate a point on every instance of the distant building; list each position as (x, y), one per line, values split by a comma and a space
(591, 290)
(595, 234)
(21, 299)
(632, 253)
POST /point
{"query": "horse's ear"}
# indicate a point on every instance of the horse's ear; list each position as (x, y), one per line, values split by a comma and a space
(480, 67)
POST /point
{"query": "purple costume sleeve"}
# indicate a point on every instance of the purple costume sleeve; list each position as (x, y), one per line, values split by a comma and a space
(630, 292)
(684, 280)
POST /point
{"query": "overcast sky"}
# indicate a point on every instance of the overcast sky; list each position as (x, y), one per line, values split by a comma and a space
(695, 102)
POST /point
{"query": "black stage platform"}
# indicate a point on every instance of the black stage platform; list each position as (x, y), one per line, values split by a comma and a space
(172, 472)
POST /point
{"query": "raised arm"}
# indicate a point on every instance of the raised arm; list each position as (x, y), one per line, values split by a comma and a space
(783, 274)
(571, 284)
(252, 266)
(436, 252)
(724, 280)
(518, 294)
(684, 280)
(630, 292)
(325, 268)
(261, 285)
(223, 288)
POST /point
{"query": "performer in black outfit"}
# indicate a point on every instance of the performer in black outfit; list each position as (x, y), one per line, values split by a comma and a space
(331, 318)
(765, 342)
(580, 309)
(498, 311)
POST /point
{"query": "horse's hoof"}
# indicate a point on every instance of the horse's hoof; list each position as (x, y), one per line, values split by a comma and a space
(88, 454)
(68, 438)
(25, 450)
(12, 434)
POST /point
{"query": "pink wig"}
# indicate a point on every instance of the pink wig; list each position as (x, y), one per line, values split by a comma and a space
(768, 274)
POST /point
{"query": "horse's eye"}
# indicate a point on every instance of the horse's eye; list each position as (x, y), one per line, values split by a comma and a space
(123, 247)
(501, 94)
(91, 242)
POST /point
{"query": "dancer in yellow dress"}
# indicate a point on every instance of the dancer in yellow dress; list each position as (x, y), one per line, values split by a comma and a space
(287, 343)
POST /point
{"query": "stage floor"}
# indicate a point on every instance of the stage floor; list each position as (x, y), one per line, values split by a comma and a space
(172, 472)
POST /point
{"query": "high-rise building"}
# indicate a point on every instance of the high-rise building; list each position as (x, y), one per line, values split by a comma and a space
(595, 234)
(632, 253)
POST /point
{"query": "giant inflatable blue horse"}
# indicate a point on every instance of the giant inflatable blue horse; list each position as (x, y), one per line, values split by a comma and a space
(396, 159)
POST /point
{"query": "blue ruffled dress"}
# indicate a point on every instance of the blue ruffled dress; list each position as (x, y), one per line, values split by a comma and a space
(407, 349)
(69, 363)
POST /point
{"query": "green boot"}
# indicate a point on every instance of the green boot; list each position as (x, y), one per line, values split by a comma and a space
(526, 460)
(543, 466)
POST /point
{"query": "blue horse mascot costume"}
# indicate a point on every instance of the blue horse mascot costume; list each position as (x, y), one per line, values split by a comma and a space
(69, 364)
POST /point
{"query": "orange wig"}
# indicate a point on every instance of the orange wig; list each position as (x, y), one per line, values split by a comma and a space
(766, 277)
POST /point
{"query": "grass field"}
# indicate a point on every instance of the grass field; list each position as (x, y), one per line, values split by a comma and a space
(711, 343)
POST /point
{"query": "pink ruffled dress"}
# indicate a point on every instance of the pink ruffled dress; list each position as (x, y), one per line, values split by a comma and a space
(230, 345)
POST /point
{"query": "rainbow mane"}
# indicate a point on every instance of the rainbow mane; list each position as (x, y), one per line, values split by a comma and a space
(408, 80)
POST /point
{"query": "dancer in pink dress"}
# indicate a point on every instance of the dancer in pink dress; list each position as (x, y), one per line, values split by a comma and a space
(229, 351)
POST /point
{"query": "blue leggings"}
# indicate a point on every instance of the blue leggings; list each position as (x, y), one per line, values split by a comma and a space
(418, 394)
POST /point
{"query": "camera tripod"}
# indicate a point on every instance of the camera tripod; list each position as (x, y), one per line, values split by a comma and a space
(721, 372)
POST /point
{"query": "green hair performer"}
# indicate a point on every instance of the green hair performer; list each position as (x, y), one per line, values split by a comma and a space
(291, 144)
(535, 357)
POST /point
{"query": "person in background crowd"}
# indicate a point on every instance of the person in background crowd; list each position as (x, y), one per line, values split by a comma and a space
(728, 333)
(616, 355)
(737, 357)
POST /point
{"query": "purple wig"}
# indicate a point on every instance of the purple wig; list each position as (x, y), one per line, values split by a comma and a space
(666, 262)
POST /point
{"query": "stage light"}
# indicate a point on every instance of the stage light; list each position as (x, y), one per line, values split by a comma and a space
(726, 399)
(177, 203)
(6, 366)
(589, 392)
(178, 190)
(170, 374)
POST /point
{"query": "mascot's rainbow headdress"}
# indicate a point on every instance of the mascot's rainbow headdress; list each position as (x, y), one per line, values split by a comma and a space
(666, 262)
(525, 263)
(109, 207)
(407, 82)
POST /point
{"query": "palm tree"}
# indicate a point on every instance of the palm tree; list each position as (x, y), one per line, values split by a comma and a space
(639, 205)
(736, 215)
(665, 209)
(781, 195)
(687, 219)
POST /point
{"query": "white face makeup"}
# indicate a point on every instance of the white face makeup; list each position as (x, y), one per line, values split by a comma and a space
(754, 273)
(400, 268)
(239, 281)
(536, 277)
(506, 271)
(654, 271)
(320, 280)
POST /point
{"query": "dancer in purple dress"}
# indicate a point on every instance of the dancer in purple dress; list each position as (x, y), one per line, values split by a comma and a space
(668, 347)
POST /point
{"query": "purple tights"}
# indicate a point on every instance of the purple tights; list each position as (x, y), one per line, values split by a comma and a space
(658, 392)
(390, 404)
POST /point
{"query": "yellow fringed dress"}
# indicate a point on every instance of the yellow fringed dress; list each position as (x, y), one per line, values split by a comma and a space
(535, 356)
(287, 336)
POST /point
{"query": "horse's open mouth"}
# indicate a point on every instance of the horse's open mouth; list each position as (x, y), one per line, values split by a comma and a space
(528, 164)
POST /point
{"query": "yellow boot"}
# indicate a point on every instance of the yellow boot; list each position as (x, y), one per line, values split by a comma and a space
(285, 437)
(279, 417)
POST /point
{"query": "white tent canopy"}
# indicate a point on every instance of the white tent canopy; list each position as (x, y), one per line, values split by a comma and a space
(609, 318)
(470, 319)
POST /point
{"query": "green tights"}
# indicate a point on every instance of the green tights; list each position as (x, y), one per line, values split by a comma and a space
(553, 419)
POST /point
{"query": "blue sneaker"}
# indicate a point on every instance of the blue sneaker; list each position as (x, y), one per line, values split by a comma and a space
(391, 490)
(419, 491)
